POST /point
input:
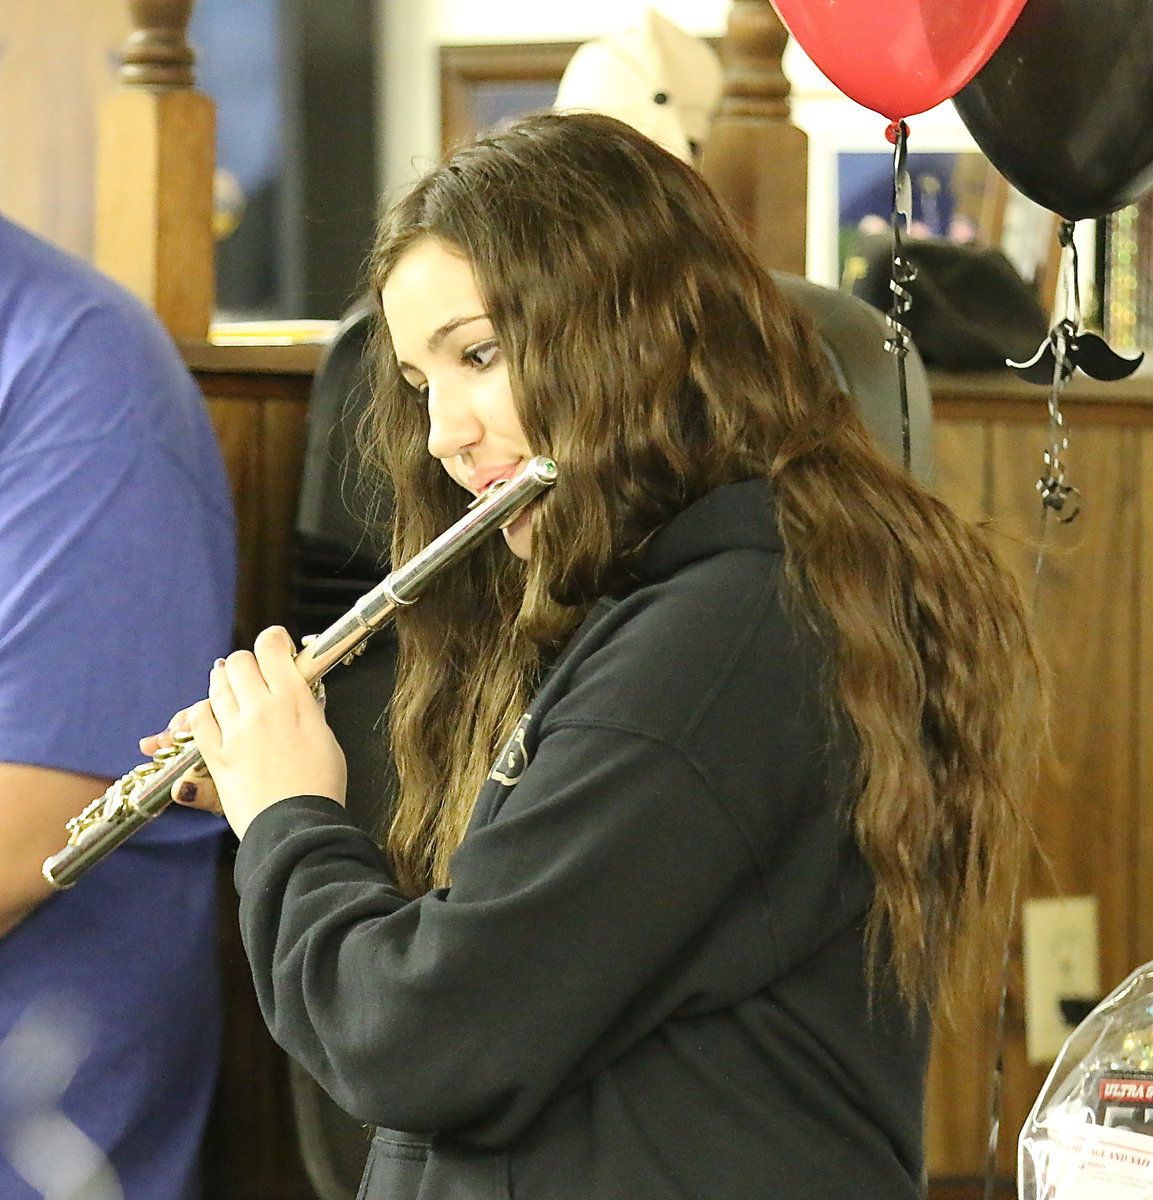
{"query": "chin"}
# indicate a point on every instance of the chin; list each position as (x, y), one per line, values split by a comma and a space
(518, 536)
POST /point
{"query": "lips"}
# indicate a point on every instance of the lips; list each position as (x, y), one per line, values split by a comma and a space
(483, 480)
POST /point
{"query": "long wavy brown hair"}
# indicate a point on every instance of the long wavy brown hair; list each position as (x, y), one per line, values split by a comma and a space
(654, 359)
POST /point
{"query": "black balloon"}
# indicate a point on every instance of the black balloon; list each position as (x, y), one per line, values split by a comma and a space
(1064, 107)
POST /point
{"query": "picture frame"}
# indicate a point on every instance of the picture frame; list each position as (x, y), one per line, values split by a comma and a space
(848, 152)
(485, 86)
(948, 196)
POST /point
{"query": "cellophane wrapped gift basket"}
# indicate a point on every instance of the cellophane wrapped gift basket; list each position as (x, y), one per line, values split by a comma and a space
(1089, 1135)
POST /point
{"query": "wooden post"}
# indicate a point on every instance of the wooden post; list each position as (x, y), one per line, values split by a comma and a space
(155, 161)
(754, 158)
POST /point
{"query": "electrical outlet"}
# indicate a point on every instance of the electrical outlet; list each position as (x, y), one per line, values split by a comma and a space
(1060, 959)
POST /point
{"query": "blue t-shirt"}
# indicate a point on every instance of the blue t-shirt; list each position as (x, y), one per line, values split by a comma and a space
(117, 563)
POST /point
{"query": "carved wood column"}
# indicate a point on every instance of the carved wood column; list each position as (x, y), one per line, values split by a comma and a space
(156, 155)
(754, 158)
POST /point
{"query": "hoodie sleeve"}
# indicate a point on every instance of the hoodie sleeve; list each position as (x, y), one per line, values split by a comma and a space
(652, 861)
(567, 935)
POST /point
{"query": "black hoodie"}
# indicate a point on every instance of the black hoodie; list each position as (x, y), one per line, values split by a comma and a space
(647, 980)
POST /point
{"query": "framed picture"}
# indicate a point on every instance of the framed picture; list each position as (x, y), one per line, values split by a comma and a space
(851, 170)
(948, 200)
(851, 182)
(484, 87)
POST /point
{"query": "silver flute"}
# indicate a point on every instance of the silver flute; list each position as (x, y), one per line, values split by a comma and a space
(146, 791)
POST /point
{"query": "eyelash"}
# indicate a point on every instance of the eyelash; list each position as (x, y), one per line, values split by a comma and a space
(472, 356)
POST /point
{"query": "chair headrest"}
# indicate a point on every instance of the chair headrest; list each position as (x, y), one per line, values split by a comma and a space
(854, 334)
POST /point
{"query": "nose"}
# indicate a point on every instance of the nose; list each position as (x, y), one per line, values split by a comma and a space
(452, 424)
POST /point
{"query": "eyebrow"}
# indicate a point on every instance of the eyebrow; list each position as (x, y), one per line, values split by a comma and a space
(440, 334)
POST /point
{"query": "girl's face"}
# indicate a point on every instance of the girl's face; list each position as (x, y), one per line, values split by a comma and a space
(448, 353)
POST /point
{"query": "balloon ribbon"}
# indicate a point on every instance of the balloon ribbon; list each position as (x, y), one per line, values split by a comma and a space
(1067, 348)
(903, 273)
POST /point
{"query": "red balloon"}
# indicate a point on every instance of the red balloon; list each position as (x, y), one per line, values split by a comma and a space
(899, 57)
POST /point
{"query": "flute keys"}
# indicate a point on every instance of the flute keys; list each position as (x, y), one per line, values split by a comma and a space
(346, 661)
(90, 814)
(355, 652)
(116, 802)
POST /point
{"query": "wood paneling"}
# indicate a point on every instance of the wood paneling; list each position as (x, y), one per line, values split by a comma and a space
(251, 1148)
(1141, 832)
(262, 440)
(1092, 603)
(252, 1151)
(1094, 609)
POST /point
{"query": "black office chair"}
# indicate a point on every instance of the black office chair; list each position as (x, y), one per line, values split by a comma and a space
(854, 335)
(338, 557)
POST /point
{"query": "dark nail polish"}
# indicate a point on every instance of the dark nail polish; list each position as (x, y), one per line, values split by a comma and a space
(187, 793)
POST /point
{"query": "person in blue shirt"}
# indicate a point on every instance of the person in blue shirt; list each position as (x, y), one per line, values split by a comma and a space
(117, 565)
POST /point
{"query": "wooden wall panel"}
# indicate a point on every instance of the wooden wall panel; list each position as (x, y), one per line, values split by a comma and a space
(251, 1148)
(252, 1151)
(960, 466)
(957, 1098)
(958, 1086)
(282, 442)
(237, 425)
(1091, 810)
(1085, 608)
(1083, 599)
(262, 440)
(1092, 607)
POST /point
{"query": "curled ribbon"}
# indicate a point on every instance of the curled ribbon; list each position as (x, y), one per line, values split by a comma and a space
(903, 273)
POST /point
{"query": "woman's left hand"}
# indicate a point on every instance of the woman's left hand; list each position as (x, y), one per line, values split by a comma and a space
(262, 734)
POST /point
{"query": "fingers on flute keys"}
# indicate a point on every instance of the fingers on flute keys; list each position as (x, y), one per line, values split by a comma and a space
(195, 789)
